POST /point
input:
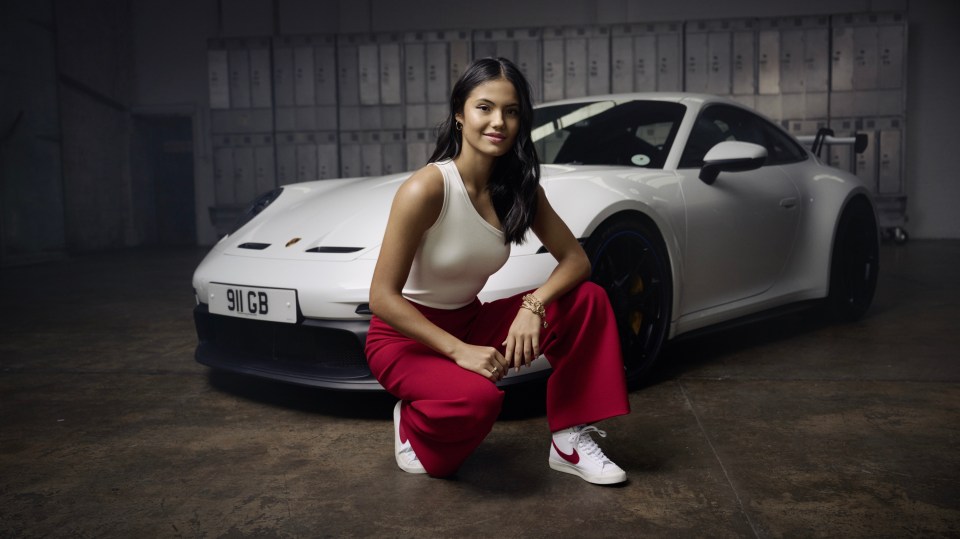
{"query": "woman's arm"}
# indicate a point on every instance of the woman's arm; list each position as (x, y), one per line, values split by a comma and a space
(415, 209)
(573, 267)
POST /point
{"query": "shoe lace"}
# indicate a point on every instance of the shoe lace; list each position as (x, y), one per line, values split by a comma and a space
(586, 444)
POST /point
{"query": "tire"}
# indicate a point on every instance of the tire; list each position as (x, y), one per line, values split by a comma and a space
(855, 263)
(630, 262)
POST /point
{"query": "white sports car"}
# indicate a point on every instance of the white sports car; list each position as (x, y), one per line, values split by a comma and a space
(694, 211)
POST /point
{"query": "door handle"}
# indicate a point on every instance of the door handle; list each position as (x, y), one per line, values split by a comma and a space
(788, 203)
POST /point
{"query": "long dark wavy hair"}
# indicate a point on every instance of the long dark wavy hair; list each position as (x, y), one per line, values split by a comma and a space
(516, 174)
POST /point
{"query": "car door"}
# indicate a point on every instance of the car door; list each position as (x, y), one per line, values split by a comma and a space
(740, 230)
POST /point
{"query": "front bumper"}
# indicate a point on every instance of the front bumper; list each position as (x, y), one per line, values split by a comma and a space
(316, 353)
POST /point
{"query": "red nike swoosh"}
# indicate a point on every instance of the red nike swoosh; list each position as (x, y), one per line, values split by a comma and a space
(572, 458)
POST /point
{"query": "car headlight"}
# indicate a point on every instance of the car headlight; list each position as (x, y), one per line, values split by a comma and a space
(258, 205)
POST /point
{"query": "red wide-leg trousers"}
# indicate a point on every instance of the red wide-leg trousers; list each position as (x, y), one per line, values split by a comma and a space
(447, 410)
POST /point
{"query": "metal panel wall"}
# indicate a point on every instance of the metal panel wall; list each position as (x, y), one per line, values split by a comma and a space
(891, 43)
(644, 57)
(348, 81)
(669, 57)
(325, 71)
(621, 59)
(218, 74)
(350, 160)
(328, 162)
(719, 55)
(460, 54)
(261, 89)
(744, 61)
(382, 93)
(244, 171)
(696, 57)
(415, 79)
(529, 60)
(368, 73)
(890, 160)
(304, 77)
(485, 43)
(239, 60)
(646, 62)
(264, 175)
(393, 152)
(223, 170)
(868, 70)
(575, 62)
(286, 158)
(371, 154)
(438, 70)
(306, 153)
(391, 74)
(708, 57)
(598, 61)
(415, 68)
(283, 73)
(420, 145)
(553, 64)
(768, 64)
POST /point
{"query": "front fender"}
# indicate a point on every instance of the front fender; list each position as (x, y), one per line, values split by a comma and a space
(585, 201)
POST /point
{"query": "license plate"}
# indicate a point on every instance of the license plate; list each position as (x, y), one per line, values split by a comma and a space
(273, 304)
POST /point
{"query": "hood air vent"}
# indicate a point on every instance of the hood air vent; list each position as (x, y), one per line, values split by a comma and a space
(253, 245)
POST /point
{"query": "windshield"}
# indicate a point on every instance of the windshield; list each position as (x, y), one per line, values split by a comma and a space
(635, 133)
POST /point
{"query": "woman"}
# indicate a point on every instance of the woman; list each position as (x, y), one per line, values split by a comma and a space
(433, 344)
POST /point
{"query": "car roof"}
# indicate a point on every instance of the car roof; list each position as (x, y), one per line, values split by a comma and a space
(676, 97)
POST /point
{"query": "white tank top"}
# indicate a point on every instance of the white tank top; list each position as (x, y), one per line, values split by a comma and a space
(458, 253)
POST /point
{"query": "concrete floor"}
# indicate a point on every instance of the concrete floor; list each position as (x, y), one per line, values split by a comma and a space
(784, 428)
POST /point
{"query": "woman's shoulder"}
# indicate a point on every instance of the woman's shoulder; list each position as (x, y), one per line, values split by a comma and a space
(424, 186)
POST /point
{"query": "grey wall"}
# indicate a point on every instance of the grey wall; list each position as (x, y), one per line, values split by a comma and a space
(75, 72)
(933, 115)
(31, 191)
(66, 72)
(95, 73)
(164, 57)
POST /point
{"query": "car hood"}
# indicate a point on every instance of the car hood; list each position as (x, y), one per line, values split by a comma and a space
(338, 219)
(345, 219)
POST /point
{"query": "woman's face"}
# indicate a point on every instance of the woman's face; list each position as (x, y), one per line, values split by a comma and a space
(490, 118)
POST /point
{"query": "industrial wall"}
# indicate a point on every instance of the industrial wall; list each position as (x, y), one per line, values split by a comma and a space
(345, 123)
(31, 190)
(83, 82)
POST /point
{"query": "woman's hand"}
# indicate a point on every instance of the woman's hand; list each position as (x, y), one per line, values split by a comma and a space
(523, 340)
(483, 360)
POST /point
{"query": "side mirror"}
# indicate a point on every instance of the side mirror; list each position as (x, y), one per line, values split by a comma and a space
(731, 156)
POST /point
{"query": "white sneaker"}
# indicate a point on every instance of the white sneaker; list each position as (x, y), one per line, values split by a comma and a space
(573, 451)
(406, 459)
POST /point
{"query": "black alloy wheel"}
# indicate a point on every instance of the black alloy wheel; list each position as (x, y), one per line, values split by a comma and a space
(630, 262)
(855, 263)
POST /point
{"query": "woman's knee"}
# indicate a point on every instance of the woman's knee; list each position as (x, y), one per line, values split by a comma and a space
(586, 293)
(482, 403)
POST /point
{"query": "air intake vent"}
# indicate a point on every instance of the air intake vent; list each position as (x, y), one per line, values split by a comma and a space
(334, 249)
(254, 246)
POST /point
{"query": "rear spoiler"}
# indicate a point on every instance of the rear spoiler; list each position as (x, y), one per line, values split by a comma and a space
(825, 135)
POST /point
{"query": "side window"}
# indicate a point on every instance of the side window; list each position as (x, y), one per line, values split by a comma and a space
(781, 149)
(709, 130)
(718, 123)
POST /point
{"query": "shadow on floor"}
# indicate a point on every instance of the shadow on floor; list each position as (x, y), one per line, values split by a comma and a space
(525, 400)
